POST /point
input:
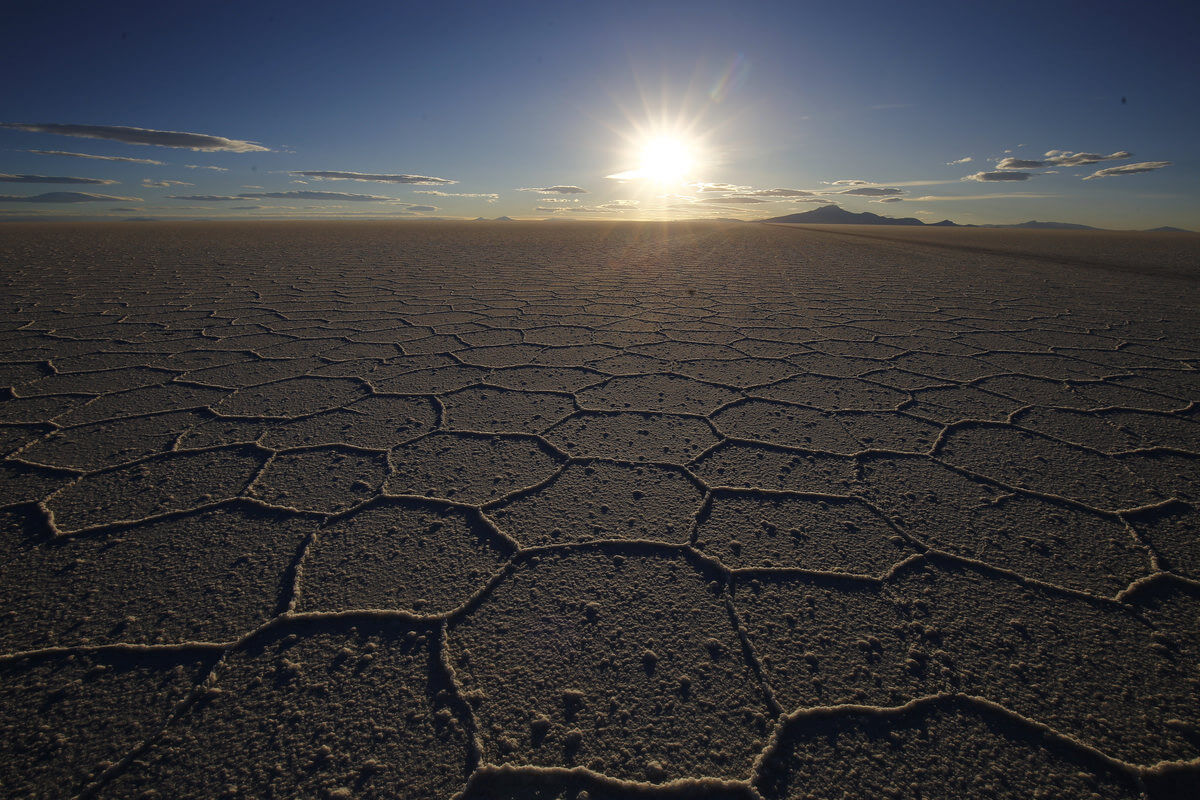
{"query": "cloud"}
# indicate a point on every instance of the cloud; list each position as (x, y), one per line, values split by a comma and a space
(243, 208)
(554, 190)
(206, 198)
(200, 166)
(7, 178)
(994, 196)
(422, 208)
(889, 200)
(1063, 158)
(987, 177)
(97, 158)
(66, 197)
(439, 193)
(777, 193)
(719, 187)
(610, 207)
(330, 175)
(556, 199)
(152, 184)
(145, 136)
(1128, 169)
(1060, 158)
(1019, 163)
(852, 182)
(957, 161)
(874, 191)
(304, 194)
(740, 199)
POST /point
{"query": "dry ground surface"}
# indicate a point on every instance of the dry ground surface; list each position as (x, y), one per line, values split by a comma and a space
(598, 510)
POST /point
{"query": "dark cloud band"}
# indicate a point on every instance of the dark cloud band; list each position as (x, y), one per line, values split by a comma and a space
(66, 197)
(334, 175)
(7, 178)
(145, 136)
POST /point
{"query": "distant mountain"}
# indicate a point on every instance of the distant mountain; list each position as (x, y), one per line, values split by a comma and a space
(1167, 229)
(1051, 226)
(836, 215)
(504, 219)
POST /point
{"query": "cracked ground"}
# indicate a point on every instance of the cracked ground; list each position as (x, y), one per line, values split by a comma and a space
(596, 511)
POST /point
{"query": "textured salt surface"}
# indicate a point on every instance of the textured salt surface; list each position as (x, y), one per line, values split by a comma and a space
(605, 511)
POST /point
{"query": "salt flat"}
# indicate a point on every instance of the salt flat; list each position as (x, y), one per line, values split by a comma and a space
(559, 510)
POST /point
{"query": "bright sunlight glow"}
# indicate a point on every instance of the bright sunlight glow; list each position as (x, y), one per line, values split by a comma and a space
(666, 159)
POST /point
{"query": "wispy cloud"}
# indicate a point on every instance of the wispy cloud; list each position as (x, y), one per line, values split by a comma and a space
(66, 197)
(292, 195)
(554, 189)
(988, 177)
(153, 184)
(889, 184)
(7, 178)
(201, 166)
(995, 196)
(333, 175)
(144, 136)
(305, 194)
(1128, 169)
(97, 158)
(957, 161)
(889, 200)
(490, 197)
(1064, 158)
(777, 193)
(874, 191)
(739, 199)
(1019, 163)
(422, 208)
(1060, 158)
(719, 187)
(611, 207)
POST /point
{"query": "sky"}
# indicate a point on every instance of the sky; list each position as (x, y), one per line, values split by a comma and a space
(977, 112)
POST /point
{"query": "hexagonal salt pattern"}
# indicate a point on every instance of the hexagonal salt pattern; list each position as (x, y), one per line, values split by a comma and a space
(526, 511)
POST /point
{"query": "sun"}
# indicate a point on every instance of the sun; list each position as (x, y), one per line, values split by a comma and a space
(666, 159)
(665, 156)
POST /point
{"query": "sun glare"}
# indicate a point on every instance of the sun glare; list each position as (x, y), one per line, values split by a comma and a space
(666, 159)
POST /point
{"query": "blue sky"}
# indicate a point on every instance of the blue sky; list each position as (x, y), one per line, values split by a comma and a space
(505, 99)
